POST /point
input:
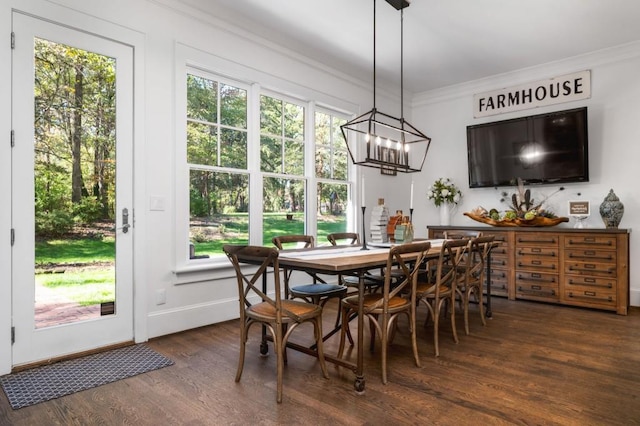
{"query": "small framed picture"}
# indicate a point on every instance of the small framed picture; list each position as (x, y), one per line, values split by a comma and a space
(579, 208)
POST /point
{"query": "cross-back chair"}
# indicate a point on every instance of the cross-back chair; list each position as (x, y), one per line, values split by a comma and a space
(472, 281)
(371, 282)
(441, 292)
(280, 316)
(382, 309)
(318, 291)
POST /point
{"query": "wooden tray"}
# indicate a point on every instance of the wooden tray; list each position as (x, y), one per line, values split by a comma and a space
(536, 221)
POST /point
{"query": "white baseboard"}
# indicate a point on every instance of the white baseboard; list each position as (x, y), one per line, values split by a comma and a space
(189, 317)
(634, 297)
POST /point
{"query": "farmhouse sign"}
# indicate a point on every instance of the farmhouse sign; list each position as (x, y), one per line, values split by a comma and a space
(565, 88)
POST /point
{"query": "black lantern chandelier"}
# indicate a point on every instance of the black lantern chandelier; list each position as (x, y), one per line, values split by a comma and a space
(379, 140)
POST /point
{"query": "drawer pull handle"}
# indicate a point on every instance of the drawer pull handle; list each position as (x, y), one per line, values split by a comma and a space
(603, 299)
(533, 279)
(572, 256)
(537, 253)
(551, 241)
(534, 292)
(589, 282)
(591, 242)
(590, 270)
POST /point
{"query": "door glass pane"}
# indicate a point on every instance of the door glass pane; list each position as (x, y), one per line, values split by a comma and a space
(282, 207)
(75, 171)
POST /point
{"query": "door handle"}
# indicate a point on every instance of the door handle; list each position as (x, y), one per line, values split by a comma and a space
(125, 220)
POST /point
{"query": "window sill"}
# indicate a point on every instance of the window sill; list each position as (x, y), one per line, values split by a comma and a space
(201, 272)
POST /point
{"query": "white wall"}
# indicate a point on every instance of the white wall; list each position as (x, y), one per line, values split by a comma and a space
(613, 112)
(192, 299)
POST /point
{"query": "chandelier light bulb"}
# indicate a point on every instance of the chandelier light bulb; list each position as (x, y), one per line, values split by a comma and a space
(367, 137)
(388, 143)
(378, 140)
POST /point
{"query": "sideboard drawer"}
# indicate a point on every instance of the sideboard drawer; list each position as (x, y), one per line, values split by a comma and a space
(594, 269)
(596, 295)
(537, 239)
(539, 264)
(590, 241)
(593, 255)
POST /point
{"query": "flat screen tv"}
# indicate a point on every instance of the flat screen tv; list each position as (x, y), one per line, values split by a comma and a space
(539, 149)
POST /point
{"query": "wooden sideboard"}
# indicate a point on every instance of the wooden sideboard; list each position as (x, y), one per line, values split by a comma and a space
(579, 267)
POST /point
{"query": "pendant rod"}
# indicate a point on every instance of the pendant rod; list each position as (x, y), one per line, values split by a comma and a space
(374, 54)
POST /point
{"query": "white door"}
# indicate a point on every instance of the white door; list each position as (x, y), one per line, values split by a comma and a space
(72, 202)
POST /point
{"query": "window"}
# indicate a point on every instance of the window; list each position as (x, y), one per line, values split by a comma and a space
(254, 164)
(331, 173)
(217, 161)
(282, 154)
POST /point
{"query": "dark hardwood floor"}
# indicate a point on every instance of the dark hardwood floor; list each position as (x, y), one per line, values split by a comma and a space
(532, 364)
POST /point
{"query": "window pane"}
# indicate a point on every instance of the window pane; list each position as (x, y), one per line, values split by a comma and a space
(218, 204)
(294, 158)
(332, 206)
(338, 138)
(340, 165)
(202, 144)
(323, 129)
(283, 207)
(293, 121)
(233, 148)
(202, 98)
(331, 148)
(270, 116)
(270, 154)
(233, 106)
(323, 162)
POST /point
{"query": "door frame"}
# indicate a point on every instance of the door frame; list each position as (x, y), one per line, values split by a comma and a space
(82, 22)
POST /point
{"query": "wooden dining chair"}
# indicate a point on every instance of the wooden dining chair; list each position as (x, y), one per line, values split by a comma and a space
(318, 292)
(442, 292)
(383, 309)
(280, 316)
(470, 284)
(371, 281)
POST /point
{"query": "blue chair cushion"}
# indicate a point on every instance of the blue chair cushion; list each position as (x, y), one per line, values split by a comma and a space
(317, 289)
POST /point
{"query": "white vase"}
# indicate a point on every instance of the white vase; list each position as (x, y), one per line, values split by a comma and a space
(445, 214)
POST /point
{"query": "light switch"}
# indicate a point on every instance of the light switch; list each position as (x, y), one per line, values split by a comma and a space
(156, 204)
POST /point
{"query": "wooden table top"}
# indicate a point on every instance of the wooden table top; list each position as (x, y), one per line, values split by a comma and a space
(341, 259)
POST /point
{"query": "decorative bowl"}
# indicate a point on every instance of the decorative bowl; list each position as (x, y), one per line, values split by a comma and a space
(536, 221)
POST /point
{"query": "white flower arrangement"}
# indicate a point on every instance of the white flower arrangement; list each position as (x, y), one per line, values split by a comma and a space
(444, 191)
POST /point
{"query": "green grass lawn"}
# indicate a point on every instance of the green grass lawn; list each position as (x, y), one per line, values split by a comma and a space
(273, 224)
(87, 287)
(97, 285)
(75, 251)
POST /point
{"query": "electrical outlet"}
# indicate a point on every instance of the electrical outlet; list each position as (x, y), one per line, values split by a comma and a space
(161, 297)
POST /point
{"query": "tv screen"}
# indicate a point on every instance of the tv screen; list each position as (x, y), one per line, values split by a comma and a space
(545, 148)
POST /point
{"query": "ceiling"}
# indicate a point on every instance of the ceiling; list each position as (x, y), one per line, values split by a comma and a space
(445, 41)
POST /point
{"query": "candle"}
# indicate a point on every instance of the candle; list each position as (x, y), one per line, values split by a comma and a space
(411, 199)
(362, 192)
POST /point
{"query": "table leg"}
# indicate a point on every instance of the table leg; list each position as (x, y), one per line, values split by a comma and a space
(264, 348)
(488, 312)
(359, 382)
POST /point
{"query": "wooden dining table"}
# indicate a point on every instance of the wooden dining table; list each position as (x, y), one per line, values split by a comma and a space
(344, 260)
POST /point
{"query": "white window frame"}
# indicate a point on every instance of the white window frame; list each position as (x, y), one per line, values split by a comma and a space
(189, 60)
